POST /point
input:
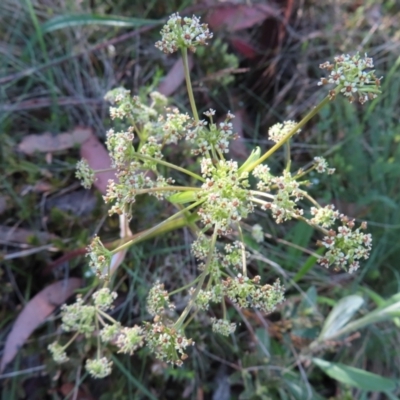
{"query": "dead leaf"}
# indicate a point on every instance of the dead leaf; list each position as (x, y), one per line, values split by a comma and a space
(21, 235)
(48, 143)
(175, 77)
(79, 202)
(236, 17)
(97, 157)
(244, 47)
(69, 387)
(35, 313)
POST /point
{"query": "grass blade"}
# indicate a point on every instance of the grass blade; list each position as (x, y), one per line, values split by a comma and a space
(66, 21)
(132, 379)
(355, 377)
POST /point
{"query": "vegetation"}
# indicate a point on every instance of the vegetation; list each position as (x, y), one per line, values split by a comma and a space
(333, 335)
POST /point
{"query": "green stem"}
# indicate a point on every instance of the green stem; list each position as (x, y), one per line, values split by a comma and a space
(98, 337)
(186, 324)
(70, 341)
(167, 164)
(106, 316)
(184, 287)
(244, 262)
(203, 275)
(298, 126)
(151, 230)
(99, 171)
(168, 188)
(287, 156)
(301, 174)
(310, 199)
(223, 309)
(189, 83)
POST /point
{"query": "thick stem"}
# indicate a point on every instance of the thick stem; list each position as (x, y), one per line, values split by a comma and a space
(151, 230)
(189, 83)
(298, 126)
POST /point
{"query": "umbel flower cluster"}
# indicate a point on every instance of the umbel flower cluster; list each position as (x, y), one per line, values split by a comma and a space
(214, 203)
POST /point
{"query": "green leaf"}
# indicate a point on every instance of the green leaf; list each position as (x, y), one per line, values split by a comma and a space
(340, 315)
(253, 157)
(136, 382)
(183, 197)
(310, 262)
(66, 21)
(355, 377)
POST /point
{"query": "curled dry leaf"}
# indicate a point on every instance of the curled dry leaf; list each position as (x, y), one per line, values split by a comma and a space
(48, 143)
(98, 159)
(236, 17)
(175, 77)
(22, 235)
(68, 389)
(35, 313)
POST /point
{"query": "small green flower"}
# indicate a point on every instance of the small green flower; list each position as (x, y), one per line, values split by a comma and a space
(223, 326)
(78, 317)
(100, 257)
(103, 298)
(167, 343)
(278, 131)
(180, 33)
(130, 339)
(110, 332)
(158, 300)
(352, 75)
(58, 353)
(99, 367)
(85, 174)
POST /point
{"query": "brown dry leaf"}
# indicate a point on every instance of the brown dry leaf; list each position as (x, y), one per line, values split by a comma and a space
(97, 157)
(48, 143)
(175, 77)
(21, 235)
(236, 17)
(69, 387)
(35, 313)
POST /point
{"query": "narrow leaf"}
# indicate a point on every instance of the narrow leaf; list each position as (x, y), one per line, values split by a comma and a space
(355, 377)
(340, 315)
(253, 157)
(183, 197)
(309, 263)
(67, 21)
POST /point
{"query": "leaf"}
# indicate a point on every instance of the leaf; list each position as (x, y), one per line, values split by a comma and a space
(236, 17)
(175, 77)
(98, 159)
(390, 311)
(309, 263)
(340, 315)
(183, 197)
(48, 143)
(355, 377)
(136, 382)
(35, 313)
(67, 21)
(253, 157)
